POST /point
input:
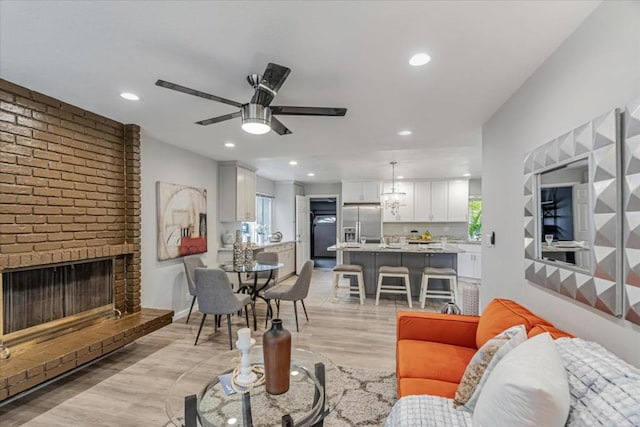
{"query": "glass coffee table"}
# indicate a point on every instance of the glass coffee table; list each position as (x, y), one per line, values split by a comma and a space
(316, 387)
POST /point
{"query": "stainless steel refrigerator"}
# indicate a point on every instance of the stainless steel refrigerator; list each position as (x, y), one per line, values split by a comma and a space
(361, 221)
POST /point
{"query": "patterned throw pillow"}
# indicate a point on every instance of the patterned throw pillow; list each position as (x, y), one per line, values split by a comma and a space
(483, 362)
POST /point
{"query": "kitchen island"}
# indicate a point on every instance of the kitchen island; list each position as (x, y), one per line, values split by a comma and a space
(415, 257)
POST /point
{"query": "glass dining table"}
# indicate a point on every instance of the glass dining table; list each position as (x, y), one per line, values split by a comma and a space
(252, 287)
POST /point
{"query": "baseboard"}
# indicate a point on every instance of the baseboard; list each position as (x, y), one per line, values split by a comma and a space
(184, 313)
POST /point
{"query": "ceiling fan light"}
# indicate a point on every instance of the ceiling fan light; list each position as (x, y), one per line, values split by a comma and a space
(255, 127)
(256, 119)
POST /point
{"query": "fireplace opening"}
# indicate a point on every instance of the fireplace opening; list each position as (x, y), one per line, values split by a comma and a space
(37, 296)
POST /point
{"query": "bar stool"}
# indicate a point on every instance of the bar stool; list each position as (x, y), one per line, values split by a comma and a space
(398, 272)
(438, 273)
(349, 270)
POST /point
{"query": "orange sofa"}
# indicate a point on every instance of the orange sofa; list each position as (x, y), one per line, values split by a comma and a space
(433, 350)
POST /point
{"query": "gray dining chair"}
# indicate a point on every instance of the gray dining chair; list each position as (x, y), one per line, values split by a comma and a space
(215, 296)
(295, 293)
(191, 262)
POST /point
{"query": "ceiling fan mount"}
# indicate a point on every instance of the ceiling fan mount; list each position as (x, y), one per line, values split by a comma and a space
(257, 114)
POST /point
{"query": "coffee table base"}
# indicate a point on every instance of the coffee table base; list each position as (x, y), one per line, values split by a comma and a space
(317, 420)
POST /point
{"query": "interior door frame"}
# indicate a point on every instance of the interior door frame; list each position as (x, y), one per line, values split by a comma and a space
(299, 242)
(338, 198)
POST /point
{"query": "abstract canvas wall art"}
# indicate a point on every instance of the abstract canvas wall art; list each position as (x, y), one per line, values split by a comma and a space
(182, 220)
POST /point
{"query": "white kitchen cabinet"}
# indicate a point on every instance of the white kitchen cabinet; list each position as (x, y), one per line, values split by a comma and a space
(360, 192)
(470, 262)
(237, 192)
(422, 201)
(458, 201)
(406, 210)
(439, 201)
(431, 201)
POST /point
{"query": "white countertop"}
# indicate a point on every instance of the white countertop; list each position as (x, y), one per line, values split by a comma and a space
(433, 248)
(265, 245)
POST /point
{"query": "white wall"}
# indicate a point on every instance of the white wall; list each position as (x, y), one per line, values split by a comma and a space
(596, 69)
(163, 282)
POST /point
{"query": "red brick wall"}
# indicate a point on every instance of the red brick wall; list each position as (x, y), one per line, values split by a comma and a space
(69, 187)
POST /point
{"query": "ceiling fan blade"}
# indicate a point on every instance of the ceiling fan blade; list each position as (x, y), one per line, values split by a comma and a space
(198, 93)
(219, 119)
(274, 76)
(307, 111)
(279, 128)
(271, 82)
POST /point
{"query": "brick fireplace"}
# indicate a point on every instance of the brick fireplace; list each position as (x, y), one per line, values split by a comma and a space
(69, 192)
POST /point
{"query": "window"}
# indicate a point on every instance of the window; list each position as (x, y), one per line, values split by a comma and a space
(260, 230)
(475, 217)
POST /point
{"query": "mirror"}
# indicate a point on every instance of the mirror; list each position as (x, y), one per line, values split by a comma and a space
(563, 215)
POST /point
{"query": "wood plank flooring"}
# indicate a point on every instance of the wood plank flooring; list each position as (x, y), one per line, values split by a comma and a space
(129, 387)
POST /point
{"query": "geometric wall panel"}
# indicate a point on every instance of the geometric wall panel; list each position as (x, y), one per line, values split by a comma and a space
(631, 203)
(583, 139)
(632, 195)
(566, 146)
(605, 229)
(600, 286)
(633, 303)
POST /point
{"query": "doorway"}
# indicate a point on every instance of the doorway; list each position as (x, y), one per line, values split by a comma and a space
(323, 226)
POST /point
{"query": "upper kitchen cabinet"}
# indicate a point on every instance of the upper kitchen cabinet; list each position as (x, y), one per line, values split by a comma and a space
(237, 192)
(406, 209)
(431, 201)
(360, 192)
(440, 201)
(458, 201)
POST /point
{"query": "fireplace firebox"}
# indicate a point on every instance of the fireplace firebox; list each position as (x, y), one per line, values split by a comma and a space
(55, 297)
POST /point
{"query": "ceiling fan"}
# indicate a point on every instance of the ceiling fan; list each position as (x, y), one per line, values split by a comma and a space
(257, 114)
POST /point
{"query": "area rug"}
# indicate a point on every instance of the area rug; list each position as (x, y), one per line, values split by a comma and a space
(368, 398)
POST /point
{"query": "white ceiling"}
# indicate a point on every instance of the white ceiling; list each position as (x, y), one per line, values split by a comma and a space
(342, 54)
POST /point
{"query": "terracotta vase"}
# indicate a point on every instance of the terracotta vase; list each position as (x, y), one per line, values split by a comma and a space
(276, 343)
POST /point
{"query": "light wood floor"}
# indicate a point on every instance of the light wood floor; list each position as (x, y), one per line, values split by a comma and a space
(129, 387)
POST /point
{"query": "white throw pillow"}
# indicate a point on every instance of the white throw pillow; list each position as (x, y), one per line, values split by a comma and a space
(528, 387)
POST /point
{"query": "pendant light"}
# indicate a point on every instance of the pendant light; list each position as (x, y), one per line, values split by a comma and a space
(391, 200)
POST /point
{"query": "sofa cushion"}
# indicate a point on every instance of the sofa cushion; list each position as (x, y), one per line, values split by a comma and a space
(432, 360)
(501, 314)
(528, 388)
(411, 386)
(553, 331)
(483, 362)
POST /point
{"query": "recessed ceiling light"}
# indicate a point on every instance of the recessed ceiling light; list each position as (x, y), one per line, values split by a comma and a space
(293, 163)
(405, 132)
(229, 144)
(419, 59)
(311, 174)
(466, 174)
(130, 96)
(400, 177)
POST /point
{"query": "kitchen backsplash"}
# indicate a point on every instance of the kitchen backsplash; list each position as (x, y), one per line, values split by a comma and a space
(450, 229)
